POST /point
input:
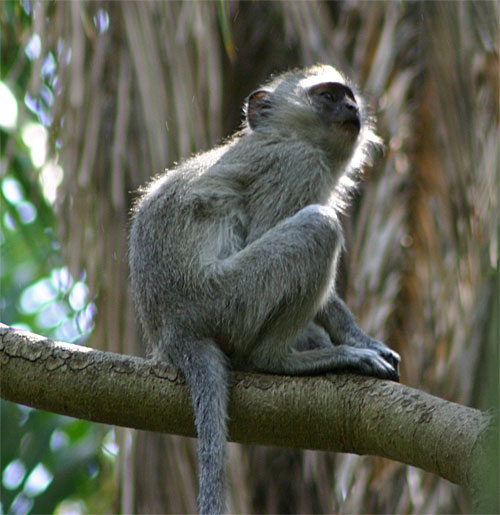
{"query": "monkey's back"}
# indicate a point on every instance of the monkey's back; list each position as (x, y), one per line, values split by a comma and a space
(185, 221)
(153, 259)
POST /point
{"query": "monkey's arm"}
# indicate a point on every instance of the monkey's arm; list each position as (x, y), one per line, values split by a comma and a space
(339, 323)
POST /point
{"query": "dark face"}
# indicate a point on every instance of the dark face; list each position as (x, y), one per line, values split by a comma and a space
(335, 104)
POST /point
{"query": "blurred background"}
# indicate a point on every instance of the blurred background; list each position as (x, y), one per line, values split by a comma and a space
(95, 97)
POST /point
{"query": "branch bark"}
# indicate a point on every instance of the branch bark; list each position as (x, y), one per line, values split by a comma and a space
(341, 412)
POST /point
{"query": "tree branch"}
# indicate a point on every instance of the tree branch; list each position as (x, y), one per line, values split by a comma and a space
(341, 412)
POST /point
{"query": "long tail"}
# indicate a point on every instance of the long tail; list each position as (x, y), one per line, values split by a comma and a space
(205, 368)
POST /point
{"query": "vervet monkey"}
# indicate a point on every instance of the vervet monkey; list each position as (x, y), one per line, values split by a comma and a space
(233, 254)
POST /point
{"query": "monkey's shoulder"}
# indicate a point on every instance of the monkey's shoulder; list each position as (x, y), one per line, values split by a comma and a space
(213, 183)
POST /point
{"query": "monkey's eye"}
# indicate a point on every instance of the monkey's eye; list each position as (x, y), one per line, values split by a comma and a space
(328, 95)
(331, 92)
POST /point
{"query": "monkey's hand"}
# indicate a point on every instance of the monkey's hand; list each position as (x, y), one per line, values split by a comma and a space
(386, 353)
(369, 361)
(339, 323)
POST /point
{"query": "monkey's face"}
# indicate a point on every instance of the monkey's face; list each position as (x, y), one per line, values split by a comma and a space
(315, 105)
(336, 106)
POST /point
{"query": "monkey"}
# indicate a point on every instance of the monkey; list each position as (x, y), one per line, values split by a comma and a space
(233, 253)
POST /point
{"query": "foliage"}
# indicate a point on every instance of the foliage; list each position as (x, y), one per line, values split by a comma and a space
(52, 463)
(46, 459)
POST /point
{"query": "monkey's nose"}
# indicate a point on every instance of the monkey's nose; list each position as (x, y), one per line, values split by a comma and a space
(349, 117)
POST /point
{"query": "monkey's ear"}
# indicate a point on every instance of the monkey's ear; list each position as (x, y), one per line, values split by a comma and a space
(258, 107)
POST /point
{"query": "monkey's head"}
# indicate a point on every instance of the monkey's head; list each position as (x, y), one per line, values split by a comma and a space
(318, 105)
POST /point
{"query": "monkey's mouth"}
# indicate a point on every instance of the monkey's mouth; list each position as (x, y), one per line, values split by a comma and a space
(351, 125)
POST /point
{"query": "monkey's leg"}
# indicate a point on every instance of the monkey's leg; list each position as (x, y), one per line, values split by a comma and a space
(303, 356)
(328, 359)
(339, 322)
(313, 337)
(204, 366)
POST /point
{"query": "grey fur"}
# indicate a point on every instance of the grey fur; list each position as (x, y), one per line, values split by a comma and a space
(233, 254)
